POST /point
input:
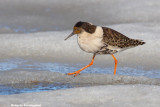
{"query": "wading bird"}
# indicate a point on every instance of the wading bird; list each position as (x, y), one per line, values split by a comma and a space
(101, 40)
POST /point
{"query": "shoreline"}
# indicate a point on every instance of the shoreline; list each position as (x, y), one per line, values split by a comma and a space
(107, 95)
(84, 78)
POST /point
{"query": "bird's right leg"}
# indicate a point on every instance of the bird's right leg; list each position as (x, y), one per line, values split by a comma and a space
(78, 72)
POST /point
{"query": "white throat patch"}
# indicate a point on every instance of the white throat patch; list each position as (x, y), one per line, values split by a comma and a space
(91, 42)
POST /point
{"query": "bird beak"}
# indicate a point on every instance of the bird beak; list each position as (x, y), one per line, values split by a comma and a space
(69, 36)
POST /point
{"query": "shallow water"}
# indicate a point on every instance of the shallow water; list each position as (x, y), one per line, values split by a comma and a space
(25, 65)
(32, 87)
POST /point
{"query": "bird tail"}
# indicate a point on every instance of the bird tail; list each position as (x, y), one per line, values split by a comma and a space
(138, 42)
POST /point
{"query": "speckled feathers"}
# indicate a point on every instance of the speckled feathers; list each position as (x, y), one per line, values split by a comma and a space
(114, 38)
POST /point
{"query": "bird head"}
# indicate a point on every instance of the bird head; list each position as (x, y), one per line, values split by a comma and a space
(79, 27)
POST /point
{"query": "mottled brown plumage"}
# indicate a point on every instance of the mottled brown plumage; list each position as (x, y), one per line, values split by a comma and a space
(114, 38)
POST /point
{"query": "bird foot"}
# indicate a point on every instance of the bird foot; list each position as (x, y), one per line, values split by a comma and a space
(74, 73)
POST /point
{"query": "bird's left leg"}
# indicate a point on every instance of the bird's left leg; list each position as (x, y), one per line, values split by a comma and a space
(78, 72)
(116, 61)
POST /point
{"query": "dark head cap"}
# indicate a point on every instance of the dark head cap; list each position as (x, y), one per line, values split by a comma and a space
(79, 24)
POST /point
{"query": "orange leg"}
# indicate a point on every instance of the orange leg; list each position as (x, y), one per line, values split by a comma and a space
(116, 61)
(78, 72)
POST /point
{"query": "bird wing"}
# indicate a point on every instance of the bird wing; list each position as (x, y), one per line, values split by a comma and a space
(114, 38)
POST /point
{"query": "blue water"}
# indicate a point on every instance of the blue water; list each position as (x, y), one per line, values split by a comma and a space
(18, 29)
(28, 88)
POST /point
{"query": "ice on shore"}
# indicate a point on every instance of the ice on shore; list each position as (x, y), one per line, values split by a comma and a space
(97, 96)
(102, 90)
(11, 77)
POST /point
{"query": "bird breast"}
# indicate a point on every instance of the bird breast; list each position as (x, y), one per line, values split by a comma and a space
(91, 43)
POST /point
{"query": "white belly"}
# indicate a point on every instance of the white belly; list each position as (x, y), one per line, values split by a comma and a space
(91, 42)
